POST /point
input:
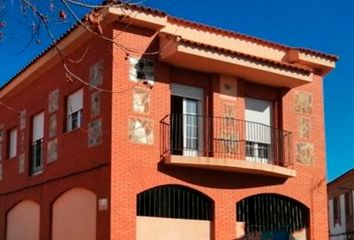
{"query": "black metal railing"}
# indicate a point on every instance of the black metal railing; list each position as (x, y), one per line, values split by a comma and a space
(221, 137)
(272, 213)
(174, 201)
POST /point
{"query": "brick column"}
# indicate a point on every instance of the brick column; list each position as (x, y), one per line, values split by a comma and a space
(318, 212)
(224, 226)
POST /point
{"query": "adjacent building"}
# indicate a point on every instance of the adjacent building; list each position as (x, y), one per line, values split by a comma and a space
(340, 205)
(176, 130)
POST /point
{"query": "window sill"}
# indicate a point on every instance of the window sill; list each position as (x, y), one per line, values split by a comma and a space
(36, 173)
(12, 158)
(80, 129)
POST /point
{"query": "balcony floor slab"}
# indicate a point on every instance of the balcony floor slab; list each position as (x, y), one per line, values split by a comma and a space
(230, 165)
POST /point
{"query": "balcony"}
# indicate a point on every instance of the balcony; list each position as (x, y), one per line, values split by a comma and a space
(226, 144)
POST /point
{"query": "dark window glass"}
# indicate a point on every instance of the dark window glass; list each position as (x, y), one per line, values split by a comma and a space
(174, 202)
(37, 156)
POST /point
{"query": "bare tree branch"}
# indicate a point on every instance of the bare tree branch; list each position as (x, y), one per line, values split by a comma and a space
(9, 107)
(91, 23)
(94, 18)
(70, 74)
(105, 4)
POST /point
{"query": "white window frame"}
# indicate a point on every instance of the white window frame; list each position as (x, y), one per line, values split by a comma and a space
(74, 113)
(37, 143)
(12, 149)
(193, 93)
(259, 138)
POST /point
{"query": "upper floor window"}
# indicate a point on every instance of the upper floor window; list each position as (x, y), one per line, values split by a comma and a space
(12, 143)
(37, 143)
(336, 211)
(258, 130)
(74, 110)
(349, 204)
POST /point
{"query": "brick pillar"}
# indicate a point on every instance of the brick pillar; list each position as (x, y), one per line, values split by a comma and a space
(45, 220)
(123, 211)
(225, 218)
(318, 212)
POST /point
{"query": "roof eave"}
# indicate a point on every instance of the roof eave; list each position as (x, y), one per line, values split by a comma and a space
(155, 19)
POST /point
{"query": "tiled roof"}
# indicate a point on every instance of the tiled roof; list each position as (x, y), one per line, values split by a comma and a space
(343, 176)
(318, 54)
(194, 24)
(289, 66)
(254, 39)
(148, 9)
(50, 47)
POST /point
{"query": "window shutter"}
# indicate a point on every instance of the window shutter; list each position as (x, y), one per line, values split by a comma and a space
(258, 116)
(38, 127)
(75, 102)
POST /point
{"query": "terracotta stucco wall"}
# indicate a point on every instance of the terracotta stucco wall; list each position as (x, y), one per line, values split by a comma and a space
(74, 216)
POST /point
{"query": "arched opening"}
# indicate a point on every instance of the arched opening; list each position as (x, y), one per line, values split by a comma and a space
(271, 216)
(173, 212)
(22, 221)
(74, 215)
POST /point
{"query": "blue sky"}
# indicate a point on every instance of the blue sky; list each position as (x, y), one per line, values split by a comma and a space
(324, 25)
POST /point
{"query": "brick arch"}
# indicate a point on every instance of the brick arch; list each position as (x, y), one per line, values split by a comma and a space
(23, 221)
(268, 212)
(293, 197)
(173, 212)
(175, 201)
(15, 203)
(66, 189)
(74, 215)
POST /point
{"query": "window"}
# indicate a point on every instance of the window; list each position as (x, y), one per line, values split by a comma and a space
(257, 150)
(336, 211)
(174, 201)
(250, 149)
(186, 120)
(37, 143)
(258, 116)
(348, 204)
(12, 143)
(74, 110)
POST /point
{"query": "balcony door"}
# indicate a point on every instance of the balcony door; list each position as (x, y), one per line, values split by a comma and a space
(258, 116)
(186, 120)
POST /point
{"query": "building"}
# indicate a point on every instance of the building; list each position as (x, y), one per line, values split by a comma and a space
(177, 130)
(340, 207)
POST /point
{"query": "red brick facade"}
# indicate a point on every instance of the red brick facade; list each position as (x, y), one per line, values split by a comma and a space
(118, 169)
(77, 165)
